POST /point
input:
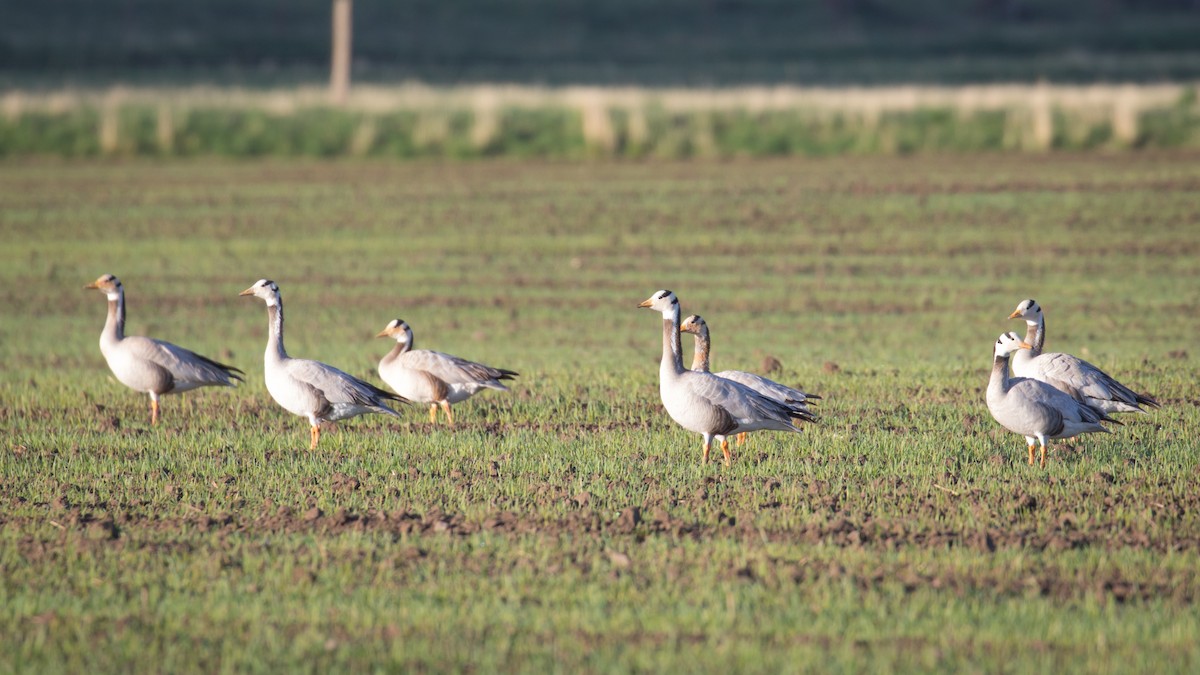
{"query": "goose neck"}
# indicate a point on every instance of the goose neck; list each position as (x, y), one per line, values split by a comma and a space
(1035, 335)
(114, 324)
(700, 357)
(397, 349)
(275, 349)
(672, 358)
(998, 384)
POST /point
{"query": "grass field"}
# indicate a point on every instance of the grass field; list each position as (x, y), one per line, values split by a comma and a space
(569, 525)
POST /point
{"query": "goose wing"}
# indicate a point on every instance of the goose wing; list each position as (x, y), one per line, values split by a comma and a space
(1031, 407)
(340, 388)
(455, 370)
(186, 367)
(743, 404)
(1083, 381)
(1052, 407)
(767, 387)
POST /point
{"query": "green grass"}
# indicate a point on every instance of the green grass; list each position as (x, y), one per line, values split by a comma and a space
(569, 526)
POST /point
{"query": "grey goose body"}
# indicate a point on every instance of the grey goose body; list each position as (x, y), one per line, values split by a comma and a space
(153, 367)
(311, 389)
(1033, 408)
(1069, 374)
(698, 328)
(704, 403)
(434, 378)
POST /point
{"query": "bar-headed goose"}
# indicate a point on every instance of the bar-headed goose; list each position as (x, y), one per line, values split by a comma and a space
(1083, 381)
(706, 404)
(153, 366)
(1033, 408)
(312, 389)
(698, 327)
(434, 378)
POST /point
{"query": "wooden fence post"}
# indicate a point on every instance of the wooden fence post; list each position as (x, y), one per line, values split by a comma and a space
(339, 74)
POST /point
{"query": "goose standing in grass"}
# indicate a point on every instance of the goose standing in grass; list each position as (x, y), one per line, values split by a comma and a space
(153, 366)
(312, 389)
(434, 378)
(1033, 408)
(1083, 381)
(696, 325)
(706, 404)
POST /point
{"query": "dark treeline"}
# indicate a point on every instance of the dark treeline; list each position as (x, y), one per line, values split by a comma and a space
(649, 42)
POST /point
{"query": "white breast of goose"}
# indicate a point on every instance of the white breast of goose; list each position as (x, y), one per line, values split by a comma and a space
(691, 411)
(413, 384)
(292, 395)
(127, 368)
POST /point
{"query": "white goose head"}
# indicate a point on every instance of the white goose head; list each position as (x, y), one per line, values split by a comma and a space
(695, 325)
(265, 289)
(398, 330)
(662, 301)
(1028, 310)
(109, 284)
(1009, 343)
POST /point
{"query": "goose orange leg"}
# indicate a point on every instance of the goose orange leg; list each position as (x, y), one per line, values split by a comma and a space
(314, 433)
(725, 450)
(449, 415)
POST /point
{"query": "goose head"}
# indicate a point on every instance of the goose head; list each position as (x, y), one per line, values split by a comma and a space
(695, 325)
(109, 284)
(265, 289)
(1028, 310)
(662, 301)
(398, 330)
(1009, 343)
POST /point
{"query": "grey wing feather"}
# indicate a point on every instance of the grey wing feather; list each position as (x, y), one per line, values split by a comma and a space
(184, 365)
(1058, 406)
(766, 387)
(1049, 408)
(741, 401)
(1083, 380)
(455, 370)
(339, 387)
